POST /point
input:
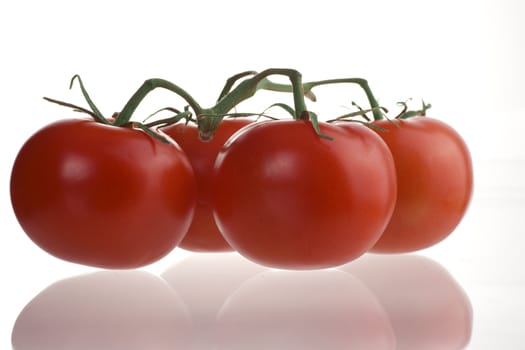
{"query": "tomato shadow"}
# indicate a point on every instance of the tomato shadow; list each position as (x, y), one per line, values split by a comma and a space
(223, 301)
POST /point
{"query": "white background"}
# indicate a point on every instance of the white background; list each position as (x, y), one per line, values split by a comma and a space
(465, 57)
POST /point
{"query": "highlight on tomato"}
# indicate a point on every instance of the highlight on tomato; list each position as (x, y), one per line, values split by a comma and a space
(103, 192)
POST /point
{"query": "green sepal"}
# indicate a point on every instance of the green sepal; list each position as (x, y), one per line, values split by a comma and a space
(74, 107)
(405, 113)
(96, 112)
(284, 106)
(151, 133)
(169, 109)
(171, 120)
(315, 123)
(361, 112)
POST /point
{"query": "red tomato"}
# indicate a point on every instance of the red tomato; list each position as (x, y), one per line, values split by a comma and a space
(434, 178)
(101, 195)
(203, 234)
(286, 198)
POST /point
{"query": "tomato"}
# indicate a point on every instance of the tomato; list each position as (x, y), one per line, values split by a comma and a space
(203, 234)
(434, 178)
(101, 195)
(287, 198)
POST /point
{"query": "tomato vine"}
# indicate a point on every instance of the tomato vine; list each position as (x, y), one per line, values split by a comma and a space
(285, 169)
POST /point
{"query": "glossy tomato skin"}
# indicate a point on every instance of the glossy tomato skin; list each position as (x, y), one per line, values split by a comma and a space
(101, 195)
(203, 234)
(435, 180)
(286, 198)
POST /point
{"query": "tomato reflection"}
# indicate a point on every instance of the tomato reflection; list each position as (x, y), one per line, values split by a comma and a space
(204, 282)
(115, 310)
(428, 309)
(303, 310)
(223, 301)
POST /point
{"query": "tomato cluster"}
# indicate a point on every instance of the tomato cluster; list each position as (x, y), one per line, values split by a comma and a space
(294, 194)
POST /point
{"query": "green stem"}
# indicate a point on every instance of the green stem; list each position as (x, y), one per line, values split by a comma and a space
(246, 89)
(263, 84)
(374, 105)
(232, 80)
(168, 121)
(249, 87)
(271, 86)
(149, 85)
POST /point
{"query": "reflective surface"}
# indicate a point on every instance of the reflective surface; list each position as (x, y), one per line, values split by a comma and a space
(222, 301)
